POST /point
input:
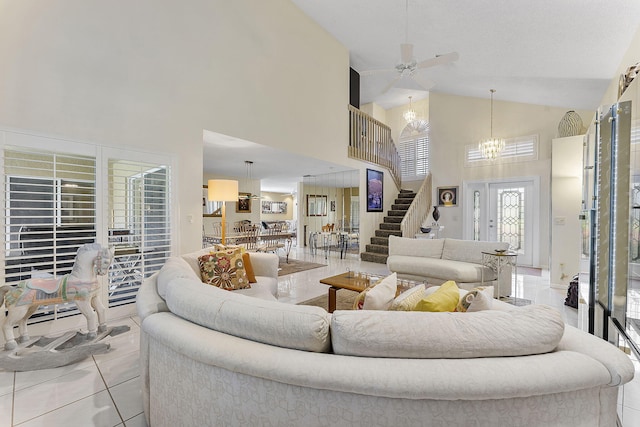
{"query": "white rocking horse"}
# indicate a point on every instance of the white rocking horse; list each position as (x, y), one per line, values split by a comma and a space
(80, 286)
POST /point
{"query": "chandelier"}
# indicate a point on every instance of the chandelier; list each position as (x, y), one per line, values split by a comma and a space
(410, 114)
(491, 147)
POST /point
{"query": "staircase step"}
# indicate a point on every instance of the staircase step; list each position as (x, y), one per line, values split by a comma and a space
(396, 213)
(390, 226)
(393, 219)
(373, 257)
(405, 191)
(403, 201)
(400, 207)
(377, 249)
(387, 233)
(380, 241)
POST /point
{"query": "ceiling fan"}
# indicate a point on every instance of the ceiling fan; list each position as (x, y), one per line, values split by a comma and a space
(408, 67)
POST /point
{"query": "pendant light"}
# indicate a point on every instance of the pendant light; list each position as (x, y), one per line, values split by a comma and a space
(491, 147)
(410, 114)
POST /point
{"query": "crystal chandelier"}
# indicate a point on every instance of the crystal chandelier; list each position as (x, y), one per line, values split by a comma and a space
(491, 147)
(410, 114)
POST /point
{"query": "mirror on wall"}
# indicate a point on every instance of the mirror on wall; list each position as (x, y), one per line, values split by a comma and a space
(332, 202)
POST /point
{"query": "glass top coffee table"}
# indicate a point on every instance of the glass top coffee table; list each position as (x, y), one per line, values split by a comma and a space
(349, 280)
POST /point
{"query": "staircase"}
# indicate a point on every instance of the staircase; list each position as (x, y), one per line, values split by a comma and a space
(378, 250)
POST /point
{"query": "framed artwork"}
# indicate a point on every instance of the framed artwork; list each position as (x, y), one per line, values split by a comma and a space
(210, 208)
(244, 203)
(316, 205)
(375, 183)
(333, 206)
(274, 207)
(447, 196)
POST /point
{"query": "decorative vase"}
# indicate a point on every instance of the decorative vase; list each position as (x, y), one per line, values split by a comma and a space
(436, 214)
(570, 124)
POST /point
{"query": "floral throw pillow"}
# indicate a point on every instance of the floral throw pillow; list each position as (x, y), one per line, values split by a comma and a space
(224, 269)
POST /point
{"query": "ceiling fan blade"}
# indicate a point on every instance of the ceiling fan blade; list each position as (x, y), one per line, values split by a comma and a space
(390, 85)
(439, 60)
(373, 72)
(406, 53)
(426, 84)
(410, 83)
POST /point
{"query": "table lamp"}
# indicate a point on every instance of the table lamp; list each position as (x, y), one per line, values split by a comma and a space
(223, 190)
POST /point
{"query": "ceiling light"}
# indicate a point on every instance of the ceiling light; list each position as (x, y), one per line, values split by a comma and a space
(491, 147)
(410, 114)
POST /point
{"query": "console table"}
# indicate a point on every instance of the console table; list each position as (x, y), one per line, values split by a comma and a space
(496, 261)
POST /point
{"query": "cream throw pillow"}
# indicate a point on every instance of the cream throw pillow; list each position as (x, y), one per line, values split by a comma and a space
(382, 294)
(407, 300)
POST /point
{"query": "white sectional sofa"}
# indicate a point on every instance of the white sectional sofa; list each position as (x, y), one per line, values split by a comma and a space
(211, 357)
(438, 260)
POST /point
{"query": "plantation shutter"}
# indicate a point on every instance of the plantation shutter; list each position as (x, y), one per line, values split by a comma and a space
(50, 211)
(414, 155)
(139, 225)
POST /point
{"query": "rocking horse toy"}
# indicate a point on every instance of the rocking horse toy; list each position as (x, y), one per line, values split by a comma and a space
(80, 286)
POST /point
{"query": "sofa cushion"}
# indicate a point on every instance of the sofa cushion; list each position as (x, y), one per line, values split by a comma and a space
(192, 258)
(523, 331)
(173, 268)
(458, 271)
(445, 298)
(469, 250)
(475, 300)
(431, 248)
(381, 295)
(307, 327)
(407, 300)
(224, 269)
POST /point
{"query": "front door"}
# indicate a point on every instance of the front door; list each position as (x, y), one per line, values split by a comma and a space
(503, 212)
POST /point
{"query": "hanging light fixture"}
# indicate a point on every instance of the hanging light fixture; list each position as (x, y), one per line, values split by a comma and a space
(410, 114)
(491, 147)
(249, 185)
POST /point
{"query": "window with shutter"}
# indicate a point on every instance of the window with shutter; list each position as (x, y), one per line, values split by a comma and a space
(57, 201)
(519, 149)
(413, 148)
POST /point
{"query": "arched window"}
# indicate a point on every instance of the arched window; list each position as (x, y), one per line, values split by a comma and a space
(414, 150)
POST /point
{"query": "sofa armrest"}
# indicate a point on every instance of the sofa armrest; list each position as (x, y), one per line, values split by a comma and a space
(148, 301)
(265, 264)
(617, 363)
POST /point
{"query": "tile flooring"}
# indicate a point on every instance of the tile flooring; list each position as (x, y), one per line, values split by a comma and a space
(104, 390)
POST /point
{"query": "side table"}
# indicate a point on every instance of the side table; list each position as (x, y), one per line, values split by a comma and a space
(496, 261)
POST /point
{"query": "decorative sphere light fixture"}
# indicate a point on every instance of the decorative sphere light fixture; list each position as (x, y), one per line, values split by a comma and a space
(491, 147)
(410, 114)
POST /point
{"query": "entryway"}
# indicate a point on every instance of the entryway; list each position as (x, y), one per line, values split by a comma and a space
(504, 211)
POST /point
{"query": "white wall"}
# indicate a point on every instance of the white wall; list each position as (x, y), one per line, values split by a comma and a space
(458, 121)
(566, 205)
(153, 74)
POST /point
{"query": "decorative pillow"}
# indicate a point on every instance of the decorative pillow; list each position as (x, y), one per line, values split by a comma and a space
(381, 296)
(248, 268)
(408, 300)
(475, 300)
(224, 269)
(444, 299)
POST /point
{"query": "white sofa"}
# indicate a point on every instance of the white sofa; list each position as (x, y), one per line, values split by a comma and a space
(213, 357)
(437, 260)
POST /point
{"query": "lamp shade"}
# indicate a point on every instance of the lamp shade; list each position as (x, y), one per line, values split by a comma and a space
(223, 190)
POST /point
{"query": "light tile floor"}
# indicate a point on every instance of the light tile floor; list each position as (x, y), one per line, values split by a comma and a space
(104, 390)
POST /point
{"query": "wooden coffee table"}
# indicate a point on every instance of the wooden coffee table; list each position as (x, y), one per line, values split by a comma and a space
(343, 281)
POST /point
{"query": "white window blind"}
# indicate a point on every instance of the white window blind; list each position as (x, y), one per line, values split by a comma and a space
(139, 225)
(50, 202)
(414, 153)
(50, 211)
(519, 149)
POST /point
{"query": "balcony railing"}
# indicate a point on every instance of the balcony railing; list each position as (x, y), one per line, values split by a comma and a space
(370, 140)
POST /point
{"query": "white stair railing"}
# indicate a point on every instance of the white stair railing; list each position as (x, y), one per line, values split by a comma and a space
(419, 209)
